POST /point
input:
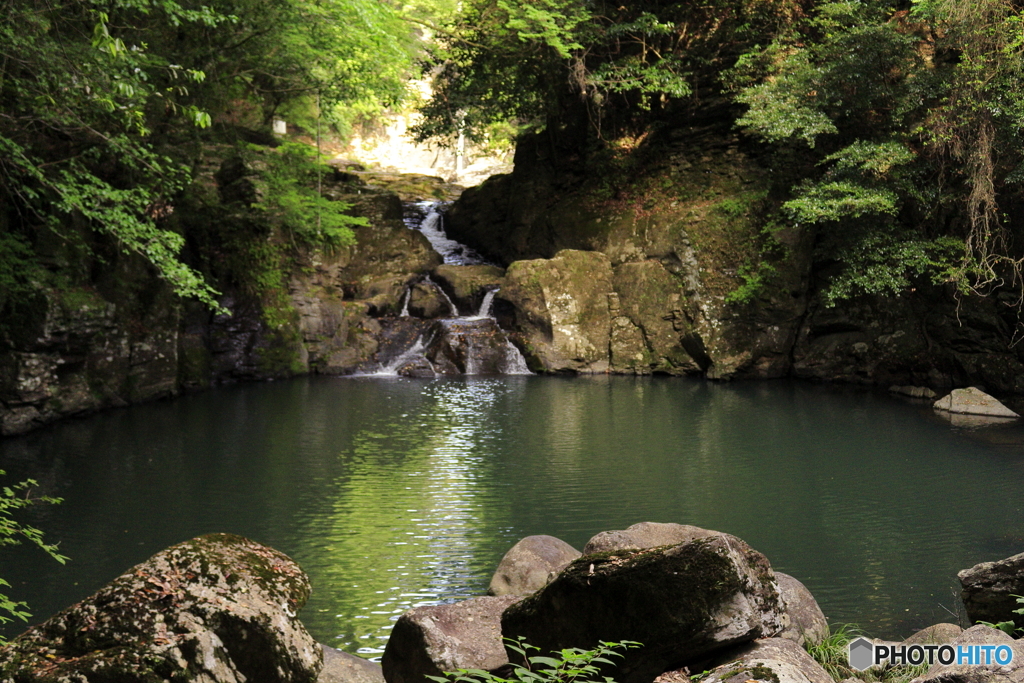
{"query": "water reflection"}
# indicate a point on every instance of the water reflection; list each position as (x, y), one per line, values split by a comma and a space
(393, 493)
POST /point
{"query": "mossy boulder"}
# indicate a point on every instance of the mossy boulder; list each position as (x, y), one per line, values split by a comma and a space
(653, 301)
(645, 535)
(215, 609)
(530, 564)
(561, 309)
(682, 602)
(429, 640)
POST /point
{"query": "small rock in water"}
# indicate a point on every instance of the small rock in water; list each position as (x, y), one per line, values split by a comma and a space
(972, 401)
(912, 391)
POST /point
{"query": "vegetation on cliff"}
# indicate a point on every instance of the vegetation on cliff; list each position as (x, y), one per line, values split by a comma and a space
(102, 104)
(893, 126)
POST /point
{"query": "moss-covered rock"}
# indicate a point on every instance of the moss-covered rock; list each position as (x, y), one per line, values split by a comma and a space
(682, 602)
(772, 660)
(562, 310)
(216, 609)
(467, 285)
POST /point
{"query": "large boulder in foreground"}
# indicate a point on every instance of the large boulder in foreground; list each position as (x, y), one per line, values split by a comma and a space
(989, 587)
(805, 622)
(681, 602)
(216, 609)
(772, 660)
(430, 640)
(530, 564)
(979, 673)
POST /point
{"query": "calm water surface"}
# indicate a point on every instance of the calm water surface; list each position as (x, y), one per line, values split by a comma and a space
(394, 492)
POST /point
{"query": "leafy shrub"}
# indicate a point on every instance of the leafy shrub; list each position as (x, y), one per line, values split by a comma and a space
(571, 665)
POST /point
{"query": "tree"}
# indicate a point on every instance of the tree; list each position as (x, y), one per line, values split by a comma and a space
(12, 532)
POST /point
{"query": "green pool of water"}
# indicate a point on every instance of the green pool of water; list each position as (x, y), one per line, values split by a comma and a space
(393, 492)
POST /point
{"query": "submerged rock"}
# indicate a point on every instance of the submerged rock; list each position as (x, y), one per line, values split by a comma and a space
(530, 564)
(972, 401)
(681, 602)
(216, 609)
(427, 641)
(989, 587)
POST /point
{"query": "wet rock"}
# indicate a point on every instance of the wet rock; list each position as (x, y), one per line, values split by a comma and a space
(216, 609)
(807, 624)
(983, 673)
(427, 641)
(682, 602)
(467, 285)
(988, 589)
(530, 564)
(427, 301)
(772, 660)
(972, 401)
(464, 346)
(341, 667)
(645, 535)
(561, 309)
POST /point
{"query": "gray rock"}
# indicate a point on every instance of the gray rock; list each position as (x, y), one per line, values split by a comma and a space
(682, 602)
(772, 660)
(983, 673)
(341, 667)
(807, 624)
(935, 634)
(645, 535)
(530, 564)
(428, 641)
(561, 309)
(216, 609)
(972, 401)
(988, 589)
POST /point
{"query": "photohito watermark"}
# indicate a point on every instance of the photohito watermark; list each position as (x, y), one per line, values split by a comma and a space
(865, 654)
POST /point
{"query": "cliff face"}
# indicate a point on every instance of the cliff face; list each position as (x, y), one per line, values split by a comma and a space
(104, 332)
(675, 245)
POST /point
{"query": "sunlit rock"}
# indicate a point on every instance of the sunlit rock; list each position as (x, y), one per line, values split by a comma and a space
(216, 609)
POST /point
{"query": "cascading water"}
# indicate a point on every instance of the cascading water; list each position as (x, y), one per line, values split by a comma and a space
(454, 344)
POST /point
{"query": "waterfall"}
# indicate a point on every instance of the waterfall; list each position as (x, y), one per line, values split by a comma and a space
(405, 302)
(485, 305)
(451, 345)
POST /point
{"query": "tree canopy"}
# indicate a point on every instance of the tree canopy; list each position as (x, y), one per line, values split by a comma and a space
(95, 96)
(906, 114)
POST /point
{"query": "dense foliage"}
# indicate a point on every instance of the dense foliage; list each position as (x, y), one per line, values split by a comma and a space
(97, 97)
(898, 121)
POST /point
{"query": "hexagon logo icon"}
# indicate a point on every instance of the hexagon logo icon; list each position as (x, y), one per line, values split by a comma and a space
(862, 653)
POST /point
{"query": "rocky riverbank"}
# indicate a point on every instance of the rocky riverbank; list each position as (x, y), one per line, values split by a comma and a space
(653, 274)
(222, 609)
